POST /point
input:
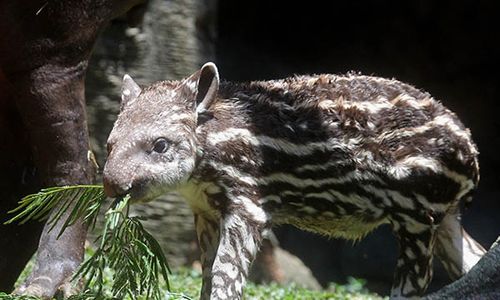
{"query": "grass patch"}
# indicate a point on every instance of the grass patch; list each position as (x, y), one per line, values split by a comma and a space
(185, 284)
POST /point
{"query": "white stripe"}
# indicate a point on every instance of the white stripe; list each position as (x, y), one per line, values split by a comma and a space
(412, 101)
(404, 132)
(415, 227)
(387, 194)
(320, 167)
(257, 213)
(436, 207)
(307, 182)
(366, 106)
(457, 177)
(278, 144)
(273, 198)
(234, 173)
(334, 196)
(466, 184)
(380, 193)
(403, 201)
(442, 120)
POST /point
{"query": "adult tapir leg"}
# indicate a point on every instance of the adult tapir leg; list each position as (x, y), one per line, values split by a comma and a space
(53, 111)
(17, 177)
(44, 49)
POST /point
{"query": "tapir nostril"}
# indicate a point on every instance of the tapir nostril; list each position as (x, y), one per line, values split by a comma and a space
(113, 190)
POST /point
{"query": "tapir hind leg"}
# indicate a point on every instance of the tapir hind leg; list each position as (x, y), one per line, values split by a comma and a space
(455, 248)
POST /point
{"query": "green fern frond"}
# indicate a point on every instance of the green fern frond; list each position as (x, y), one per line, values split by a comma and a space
(124, 246)
(38, 206)
(4, 296)
(131, 252)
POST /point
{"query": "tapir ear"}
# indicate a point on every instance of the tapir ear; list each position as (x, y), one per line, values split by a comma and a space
(208, 86)
(130, 90)
(202, 87)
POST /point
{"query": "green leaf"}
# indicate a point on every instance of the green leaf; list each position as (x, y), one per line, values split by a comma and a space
(135, 257)
(38, 206)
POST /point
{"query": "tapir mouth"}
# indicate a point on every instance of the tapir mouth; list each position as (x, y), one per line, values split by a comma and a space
(142, 192)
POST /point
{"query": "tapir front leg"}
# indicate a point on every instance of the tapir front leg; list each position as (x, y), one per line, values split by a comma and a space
(241, 231)
(207, 230)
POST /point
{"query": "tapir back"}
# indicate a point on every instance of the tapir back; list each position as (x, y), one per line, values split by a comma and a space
(344, 150)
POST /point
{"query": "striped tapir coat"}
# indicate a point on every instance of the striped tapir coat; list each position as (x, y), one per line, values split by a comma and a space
(336, 155)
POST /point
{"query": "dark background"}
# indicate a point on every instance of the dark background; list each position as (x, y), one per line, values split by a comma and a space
(448, 48)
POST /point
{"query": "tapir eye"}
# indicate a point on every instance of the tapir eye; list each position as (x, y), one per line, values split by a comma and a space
(160, 145)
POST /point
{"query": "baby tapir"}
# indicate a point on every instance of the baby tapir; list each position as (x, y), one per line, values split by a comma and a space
(336, 155)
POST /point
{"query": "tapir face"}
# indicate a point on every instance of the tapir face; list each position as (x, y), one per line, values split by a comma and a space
(152, 147)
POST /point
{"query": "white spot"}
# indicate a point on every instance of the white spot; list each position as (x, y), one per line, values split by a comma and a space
(176, 117)
(212, 189)
(371, 107)
(328, 214)
(290, 193)
(422, 247)
(341, 210)
(403, 168)
(409, 253)
(410, 101)
(400, 263)
(422, 281)
(217, 280)
(370, 125)
(472, 252)
(308, 210)
(396, 226)
(258, 214)
(408, 287)
(328, 104)
(273, 198)
(191, 85)
(238, 285)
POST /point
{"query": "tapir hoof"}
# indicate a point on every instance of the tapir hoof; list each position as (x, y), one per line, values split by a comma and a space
(47, 286)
